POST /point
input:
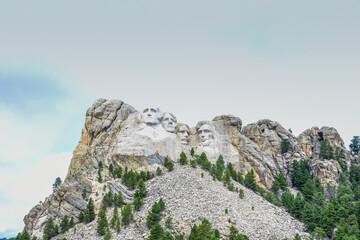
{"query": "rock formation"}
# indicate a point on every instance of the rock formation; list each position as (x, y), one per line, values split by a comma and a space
(115, 133)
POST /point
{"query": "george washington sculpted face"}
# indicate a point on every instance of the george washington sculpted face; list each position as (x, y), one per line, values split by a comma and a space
(151, 116)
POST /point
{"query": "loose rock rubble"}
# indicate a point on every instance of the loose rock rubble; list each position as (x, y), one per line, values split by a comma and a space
(190, 197)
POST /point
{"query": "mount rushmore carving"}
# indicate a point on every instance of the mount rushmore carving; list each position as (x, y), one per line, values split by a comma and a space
(117, 133)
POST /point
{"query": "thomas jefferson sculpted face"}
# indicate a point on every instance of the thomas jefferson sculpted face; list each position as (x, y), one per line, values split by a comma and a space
(206, 134)
(169, 122)
(151, 116)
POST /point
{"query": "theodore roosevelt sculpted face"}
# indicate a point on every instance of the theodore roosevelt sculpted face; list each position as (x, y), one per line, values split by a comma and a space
(183, 133)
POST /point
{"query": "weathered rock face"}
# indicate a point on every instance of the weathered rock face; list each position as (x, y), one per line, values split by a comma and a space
(115, 133)
(310, 141)
(268, 135)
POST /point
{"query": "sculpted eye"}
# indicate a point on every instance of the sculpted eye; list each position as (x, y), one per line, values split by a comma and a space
(146, 110)
(166, 119)
(153, 110)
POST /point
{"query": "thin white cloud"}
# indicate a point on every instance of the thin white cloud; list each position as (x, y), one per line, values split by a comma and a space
(27, 186)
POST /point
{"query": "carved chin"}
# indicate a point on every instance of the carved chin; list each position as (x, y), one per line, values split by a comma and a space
(170, 129)
(206, 142)
(184, 141)
(150, 121)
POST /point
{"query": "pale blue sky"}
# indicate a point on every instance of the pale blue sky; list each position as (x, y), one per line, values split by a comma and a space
(296, 62)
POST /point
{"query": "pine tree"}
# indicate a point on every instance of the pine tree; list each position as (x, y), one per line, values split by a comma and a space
(355, 145)
(240, 177)
(119, 201)
(71, 223)
(192, 152)
(169, 164)
(179, 237)
(298, 206)
(308, 190)
(353, 229)
(49, 229)
(84, 192)
(285, 145)
(107, 235)
(117, 228)
(57, 183)
(183, 159)
(241, 193)
(319, 199)
(114, 218)
(138, 202)
(220, 166)
(308, 217)
(193, 233)
(64, 225)
(202, 158)
(169, 223)
(328, 221)
(148, 175)
(81, 217)
(155, 213)
(250, 180)
(111, 168)
(204, 230)
(142, 189)
(126, 215)
(161, 204)
(318, 186)
(25, 236)
(193, 163)
(158, 171)
(318, 234)
(131, 181)
(326, 151)
(282, 181)
(220, 163)
(156, 233)
(143, 176)
(227, 176)
(100, 179)
(300, 173)
(102, 223)
(89, 211)
(168, 236)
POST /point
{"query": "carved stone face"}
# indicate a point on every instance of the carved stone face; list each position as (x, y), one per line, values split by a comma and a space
(206, 134)
(183, 133)
(169, 122)
(151, 116)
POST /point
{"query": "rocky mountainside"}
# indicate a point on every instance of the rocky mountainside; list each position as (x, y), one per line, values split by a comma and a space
(117, 135)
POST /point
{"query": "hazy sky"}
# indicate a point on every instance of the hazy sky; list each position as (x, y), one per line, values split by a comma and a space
(296, 62)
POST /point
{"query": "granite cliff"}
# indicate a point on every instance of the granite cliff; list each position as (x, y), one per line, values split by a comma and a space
(116, 134)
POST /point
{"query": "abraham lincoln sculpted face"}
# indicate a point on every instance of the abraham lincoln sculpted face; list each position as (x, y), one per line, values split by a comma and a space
(206, 135)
